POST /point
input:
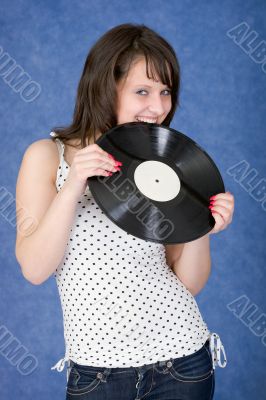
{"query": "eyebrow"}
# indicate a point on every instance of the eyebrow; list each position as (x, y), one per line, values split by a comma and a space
(150, 87)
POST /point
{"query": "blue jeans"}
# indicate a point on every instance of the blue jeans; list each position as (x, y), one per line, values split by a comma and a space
(183, 378)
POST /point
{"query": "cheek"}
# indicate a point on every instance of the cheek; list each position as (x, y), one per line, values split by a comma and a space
(128, 109)
(169, 104)
(130, 106)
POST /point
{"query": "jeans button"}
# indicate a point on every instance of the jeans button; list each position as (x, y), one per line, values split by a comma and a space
(169, 364)
(99, 375)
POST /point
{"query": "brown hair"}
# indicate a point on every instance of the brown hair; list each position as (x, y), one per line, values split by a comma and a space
(108, 61)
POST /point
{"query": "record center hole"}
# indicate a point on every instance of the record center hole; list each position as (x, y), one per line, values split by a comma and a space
(156, 180)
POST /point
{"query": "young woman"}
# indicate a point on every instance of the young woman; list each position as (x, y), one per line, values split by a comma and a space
(132, 326)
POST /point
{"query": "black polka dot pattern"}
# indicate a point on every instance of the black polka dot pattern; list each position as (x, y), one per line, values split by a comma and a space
(122, 305)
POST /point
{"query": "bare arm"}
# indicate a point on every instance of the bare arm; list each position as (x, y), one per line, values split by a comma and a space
(40, 253)
(191, 262)
(41, 247)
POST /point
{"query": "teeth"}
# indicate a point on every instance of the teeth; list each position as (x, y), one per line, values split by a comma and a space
(149, 120)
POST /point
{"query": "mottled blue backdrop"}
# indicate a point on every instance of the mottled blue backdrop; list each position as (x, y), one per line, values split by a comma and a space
(222, 51)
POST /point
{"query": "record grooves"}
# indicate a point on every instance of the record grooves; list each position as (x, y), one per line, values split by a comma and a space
(162, 192)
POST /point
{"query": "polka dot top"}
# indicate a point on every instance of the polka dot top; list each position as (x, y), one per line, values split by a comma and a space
(122, 304)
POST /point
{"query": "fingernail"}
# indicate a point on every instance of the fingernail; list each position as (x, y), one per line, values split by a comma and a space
(212, 197)
(110, 155)
(211, 207)
(110, 173)
(118, 163)
(118, 169)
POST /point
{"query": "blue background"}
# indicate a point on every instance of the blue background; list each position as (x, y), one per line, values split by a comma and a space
(222, 108)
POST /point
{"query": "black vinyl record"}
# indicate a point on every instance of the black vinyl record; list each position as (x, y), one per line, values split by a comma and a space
(162, 192)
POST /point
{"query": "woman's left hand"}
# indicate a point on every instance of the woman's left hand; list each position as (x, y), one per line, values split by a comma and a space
(222, 210)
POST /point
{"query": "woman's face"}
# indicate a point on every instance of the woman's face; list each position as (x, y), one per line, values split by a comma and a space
(141, 98)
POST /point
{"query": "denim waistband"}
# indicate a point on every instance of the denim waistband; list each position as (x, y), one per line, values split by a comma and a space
(143, 367)
(213, 343)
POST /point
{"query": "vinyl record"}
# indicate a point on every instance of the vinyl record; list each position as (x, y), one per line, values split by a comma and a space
(162, 192)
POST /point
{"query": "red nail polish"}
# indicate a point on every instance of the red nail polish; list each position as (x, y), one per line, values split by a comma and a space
(212, 197)
(211, 207)
(110, 155)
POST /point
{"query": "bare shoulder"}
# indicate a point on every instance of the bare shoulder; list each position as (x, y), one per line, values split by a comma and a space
(43, 154)
(35, 188)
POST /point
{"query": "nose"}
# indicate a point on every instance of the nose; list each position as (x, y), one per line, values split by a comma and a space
(156, 104)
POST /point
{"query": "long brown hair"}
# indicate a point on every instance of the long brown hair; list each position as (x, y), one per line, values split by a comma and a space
(108, 61)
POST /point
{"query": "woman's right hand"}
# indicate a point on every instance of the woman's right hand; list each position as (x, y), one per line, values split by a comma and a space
(90, 161)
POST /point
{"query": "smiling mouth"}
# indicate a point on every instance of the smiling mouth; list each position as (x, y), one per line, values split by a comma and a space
(146, 119)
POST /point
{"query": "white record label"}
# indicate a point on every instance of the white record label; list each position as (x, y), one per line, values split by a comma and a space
(157, 181)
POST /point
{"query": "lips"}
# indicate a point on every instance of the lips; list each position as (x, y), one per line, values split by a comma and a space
(147, 119)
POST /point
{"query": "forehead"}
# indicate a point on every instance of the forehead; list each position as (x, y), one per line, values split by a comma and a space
(137, 75)
(138, 69)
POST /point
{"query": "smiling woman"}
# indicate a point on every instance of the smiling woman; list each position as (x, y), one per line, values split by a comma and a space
(131, 72)
(135, 103)
(131, 324)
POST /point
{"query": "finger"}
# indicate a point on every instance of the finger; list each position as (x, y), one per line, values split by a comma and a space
(90, 171)
(226, 196)
(97, 163)
(97, 150)
(86, 173)
(99, 171)
(221, 202)
(224, 212)
(219, 222)
(94, 156)
(93, 147)
(218, 211)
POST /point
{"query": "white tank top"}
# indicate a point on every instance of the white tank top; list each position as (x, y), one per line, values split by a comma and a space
(122, 304)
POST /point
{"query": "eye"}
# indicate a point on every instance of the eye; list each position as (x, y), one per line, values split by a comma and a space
(168, 90)
(142, 90)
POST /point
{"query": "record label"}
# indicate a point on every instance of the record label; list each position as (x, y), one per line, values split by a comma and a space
(157, 180)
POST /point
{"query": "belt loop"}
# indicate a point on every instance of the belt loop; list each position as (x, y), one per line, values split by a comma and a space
(69, 366)
(140, 376)
(103, 376)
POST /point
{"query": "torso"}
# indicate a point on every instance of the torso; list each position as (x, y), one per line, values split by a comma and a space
(105, 268)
